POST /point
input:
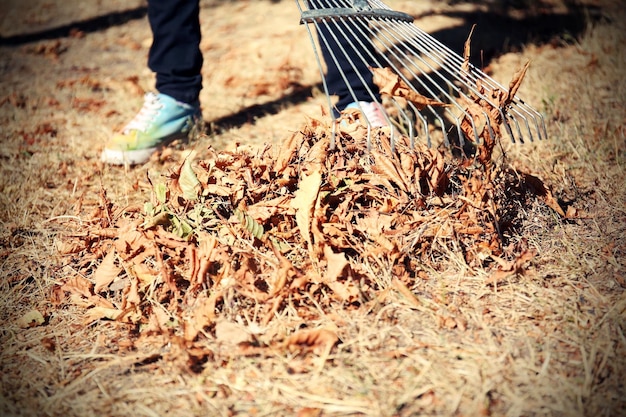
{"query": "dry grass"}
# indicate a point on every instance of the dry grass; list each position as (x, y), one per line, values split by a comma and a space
(549, 342)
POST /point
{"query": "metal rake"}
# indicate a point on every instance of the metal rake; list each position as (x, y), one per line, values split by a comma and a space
(354, 35)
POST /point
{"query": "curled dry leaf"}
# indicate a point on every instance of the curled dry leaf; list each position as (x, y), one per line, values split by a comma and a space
(79, 286)
(107, 272)
(336, 263)
(231, 333)
(66, 247)
(465, 66)
(318, 341)
(389, 83)
(539, 188)
(31, 319)
(99, 312)
(202, 315)
(183, 180)
(304, 202)
(515, 84)
(286, 153)
(507, 269)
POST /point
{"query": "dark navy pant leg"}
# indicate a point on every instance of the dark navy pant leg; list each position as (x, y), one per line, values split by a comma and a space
(175, 54)
(354, 54)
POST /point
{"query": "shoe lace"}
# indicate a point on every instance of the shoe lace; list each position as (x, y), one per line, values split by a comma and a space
(374, 114)
(146, 115)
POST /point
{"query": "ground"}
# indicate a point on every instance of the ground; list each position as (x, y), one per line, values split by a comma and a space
(548, 339)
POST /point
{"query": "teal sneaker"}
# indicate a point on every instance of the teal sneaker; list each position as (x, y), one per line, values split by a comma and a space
(373, 111)
(160, 121)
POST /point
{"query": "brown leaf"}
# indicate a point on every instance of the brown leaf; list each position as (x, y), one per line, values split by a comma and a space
(160, 319)
(465, 66)
(287, 152)
(538, 187)
(336, 263)
(406, 292)
(508, 269)
(79, 286)
(285, 273)
(130, 241)
(207, 244)
(98, 312)
(107, 272)
(515, 84)
(66, 247)
(474, 118)
(345, 291)
(231, 333)
(309, 412)
(304, 202)
(131, 294)
(498, 276)
(389, 83)
(316, 157)
(319, 341)
(267, 208)
(202, 314)
(571, 213)
(219, 190)
(386, 165)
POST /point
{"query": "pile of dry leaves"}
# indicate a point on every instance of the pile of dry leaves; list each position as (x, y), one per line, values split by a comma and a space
(259, 231)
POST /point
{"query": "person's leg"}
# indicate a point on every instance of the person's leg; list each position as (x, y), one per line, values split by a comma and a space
(176, 59)
(348, 58)
(175, 55)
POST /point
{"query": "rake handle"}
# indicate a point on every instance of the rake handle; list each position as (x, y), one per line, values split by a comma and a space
(361, 5)
(360, 8)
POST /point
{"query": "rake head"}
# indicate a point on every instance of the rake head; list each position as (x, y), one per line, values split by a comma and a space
(375, 54)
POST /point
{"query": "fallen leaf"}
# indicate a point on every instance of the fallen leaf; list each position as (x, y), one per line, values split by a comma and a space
(107, 272)
(508, 269)
(406, 292)
(336, 263)
(49, 344)
(98, 312)
(202, 314)
(571, 213)
(309, 412)
(539, 188)
(79, 286)
(304, 202)
(286, 152)
(188, 181)
(319, 341)
(515, 84)
(66, 247)
(389, 83)
(31, 319)
(465, 66)
(231, 333)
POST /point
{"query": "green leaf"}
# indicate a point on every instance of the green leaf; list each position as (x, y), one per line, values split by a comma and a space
(251, 225)
(160, 190)
(181, 229)
(200, 214)
(148, 209)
